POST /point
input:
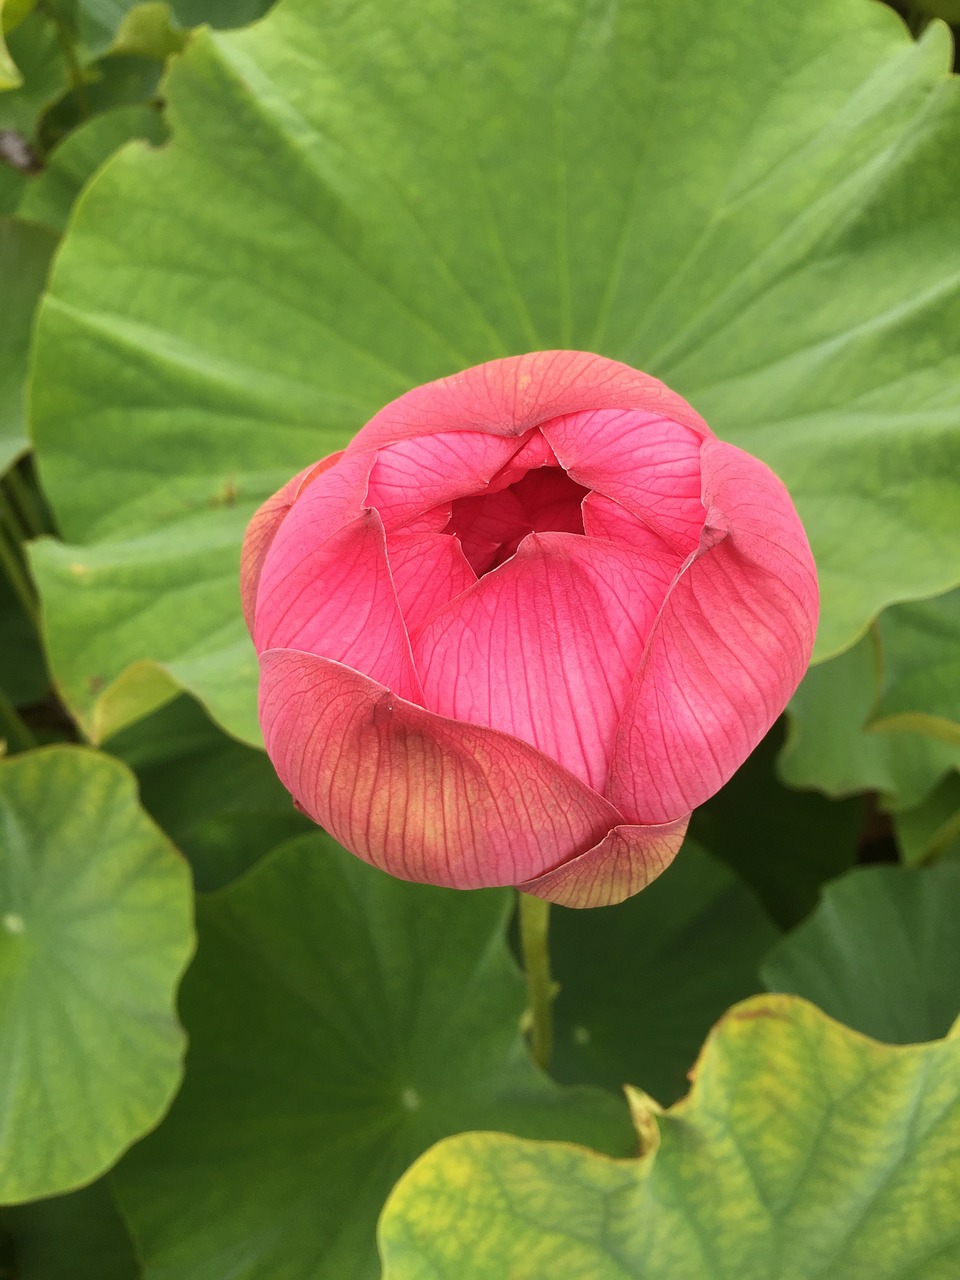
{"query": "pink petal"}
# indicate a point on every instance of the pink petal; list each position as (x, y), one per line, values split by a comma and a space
(508, 397)
(604, 518)
(546, 646)
(534, 452)
(729, 648)
(429, 570)
(411, 477)
(491, 526)
(421, 797)
(484, 523)
(433, 520)
(262, 530)
(553, 502)
(334, 498)
(622, 864)
(336, 598)
(647, 463)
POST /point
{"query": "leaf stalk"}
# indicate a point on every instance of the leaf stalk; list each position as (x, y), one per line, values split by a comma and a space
(534, 916)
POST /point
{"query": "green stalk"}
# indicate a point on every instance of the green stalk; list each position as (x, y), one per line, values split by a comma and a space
(24, 503)
(534, 926)
(12, 729)
(13, 566)
(67, 49)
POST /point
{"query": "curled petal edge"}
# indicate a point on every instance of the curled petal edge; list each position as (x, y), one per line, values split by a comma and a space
(263, 528)
(729, 647)
(625, 861)
(507, 397)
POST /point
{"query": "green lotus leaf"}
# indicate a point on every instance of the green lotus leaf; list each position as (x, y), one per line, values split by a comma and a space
(13, 183)
(95, 931)
(109, 83)
(38, 57)
(642, 983)
(803, 1151)
(51, 196)
(340, 1022)
(931, 829)
(75, 1237)
(946, 9)
(921, 668)
(755, 202)
(218, 13)
(10, 77)
(781, 842)
(219, 800)
(879, 953)
(832, 746)
(134, 26)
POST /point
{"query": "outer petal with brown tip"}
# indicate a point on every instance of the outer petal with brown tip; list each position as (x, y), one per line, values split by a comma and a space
(423, 797)
(622, 864)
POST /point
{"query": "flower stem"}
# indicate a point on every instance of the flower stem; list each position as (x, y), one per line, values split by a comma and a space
(11, 563)
(30, 514)
(534, 925)
(14, 734)
(68, 52)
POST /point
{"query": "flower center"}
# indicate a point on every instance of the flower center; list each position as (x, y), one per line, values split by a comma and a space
(491, 526)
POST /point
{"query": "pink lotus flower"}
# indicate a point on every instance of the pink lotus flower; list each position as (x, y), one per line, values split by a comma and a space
(531, 617)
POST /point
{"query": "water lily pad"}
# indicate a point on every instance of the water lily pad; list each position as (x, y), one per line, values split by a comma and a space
(803, 1150)
(755, 202)
(95, 931)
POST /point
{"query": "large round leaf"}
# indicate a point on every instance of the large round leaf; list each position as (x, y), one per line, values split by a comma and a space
(782, 842)
(880, 952)
(39, 59)
(95, 931)
(931, 829)
(832, 747)
(803, 1152)
(754, 201)
(75, 1237)
(642, 983)
(340, 1022)
(921, 668)
(219, 800)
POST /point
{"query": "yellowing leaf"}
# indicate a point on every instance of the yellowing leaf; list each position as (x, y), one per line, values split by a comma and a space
(804, 1150)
